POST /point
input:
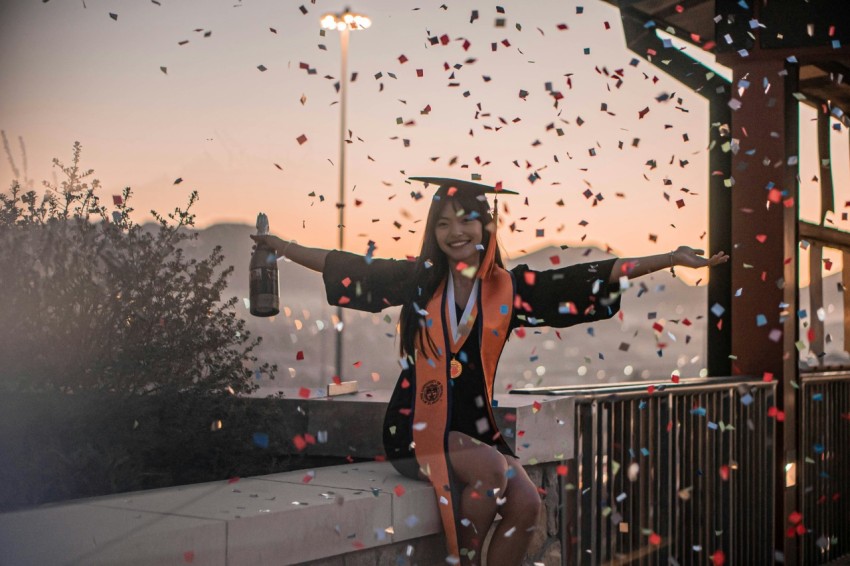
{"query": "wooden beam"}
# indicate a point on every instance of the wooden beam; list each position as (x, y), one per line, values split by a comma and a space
(824, 235)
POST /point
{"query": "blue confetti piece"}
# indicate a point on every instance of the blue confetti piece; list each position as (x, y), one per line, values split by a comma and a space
(631, 453)
(261, 439)
(510, 473)
(747, 399)
(587, 50)
(712, 425)
(533, 358)
(642, 405)
(817, 397)
(717, 310)
(644, 451)
(761, 320)
(503, 309)
(801, 314)
(818, 448)
(591, 331)
(699, 411)
(462, 356)
(411, 521)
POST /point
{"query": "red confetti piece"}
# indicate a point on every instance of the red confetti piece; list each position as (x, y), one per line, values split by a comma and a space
(188, 557)
(762, 238)
(307, 478)
(795, 517)
(655, 539)
(357, 364)
(719, 558)
(650, 389)
(674, 378)
(302, 139)
(724, 472)
(536, 406)
(304, 393)
(299, 355)
(398, 490)
(299, 442)
(346, 282)
(555, 260)
(343, 301)
(309, 438)
(336, 379)
(402, 59)
(562, 470)
(768, 377)
(529, 277)
(234, 479)
(117, 200)
(420, 73)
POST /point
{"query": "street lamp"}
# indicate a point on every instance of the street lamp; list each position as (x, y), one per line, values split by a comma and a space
(344, 23)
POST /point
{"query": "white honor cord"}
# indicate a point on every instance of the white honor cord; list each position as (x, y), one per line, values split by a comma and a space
(473, 296)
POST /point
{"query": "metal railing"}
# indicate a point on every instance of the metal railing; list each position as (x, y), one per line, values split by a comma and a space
(824, 466)
(677, 476)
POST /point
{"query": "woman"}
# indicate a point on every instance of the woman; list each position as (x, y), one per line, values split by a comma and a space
(459, 306)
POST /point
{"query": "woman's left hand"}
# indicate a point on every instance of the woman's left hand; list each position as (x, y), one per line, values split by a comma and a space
(689, 257)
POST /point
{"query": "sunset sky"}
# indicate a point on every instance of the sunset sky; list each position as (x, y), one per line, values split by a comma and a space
(148, 110)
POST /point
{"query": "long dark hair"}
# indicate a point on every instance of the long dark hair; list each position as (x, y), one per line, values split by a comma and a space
(432, 266)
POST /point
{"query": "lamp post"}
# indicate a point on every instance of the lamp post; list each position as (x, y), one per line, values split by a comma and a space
(344, 23)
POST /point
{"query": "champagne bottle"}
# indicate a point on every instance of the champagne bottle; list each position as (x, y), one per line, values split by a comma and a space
(264, 285)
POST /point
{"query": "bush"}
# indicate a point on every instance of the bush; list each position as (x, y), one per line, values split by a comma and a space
(118, 354)
(95, 302)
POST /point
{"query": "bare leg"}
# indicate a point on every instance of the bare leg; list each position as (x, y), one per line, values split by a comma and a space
(519, 516)
(484, 471)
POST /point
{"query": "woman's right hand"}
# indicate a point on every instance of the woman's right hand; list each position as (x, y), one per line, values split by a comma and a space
(271, 241)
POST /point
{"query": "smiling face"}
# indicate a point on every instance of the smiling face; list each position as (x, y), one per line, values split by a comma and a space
(458, 233)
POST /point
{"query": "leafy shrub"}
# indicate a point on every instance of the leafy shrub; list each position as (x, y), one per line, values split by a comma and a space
(96, 302)
(117, 353)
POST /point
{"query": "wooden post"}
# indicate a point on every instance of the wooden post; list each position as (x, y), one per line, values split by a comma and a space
(764, 255)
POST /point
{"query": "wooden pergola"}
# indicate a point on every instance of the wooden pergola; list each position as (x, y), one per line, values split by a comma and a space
(782, 53)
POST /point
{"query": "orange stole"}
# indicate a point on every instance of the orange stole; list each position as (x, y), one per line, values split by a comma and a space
(431, 404)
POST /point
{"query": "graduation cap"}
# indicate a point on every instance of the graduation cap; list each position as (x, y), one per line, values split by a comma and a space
(488, 261)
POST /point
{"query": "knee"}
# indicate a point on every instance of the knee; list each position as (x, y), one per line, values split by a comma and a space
(492, 480)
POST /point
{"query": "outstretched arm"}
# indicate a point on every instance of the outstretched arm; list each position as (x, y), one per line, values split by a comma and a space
(683, 256)
(311, 258)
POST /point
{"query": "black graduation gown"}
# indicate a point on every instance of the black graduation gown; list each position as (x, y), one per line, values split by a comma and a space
(558, 297)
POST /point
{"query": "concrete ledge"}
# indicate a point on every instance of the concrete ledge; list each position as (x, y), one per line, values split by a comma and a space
(284, 518)
(537, 427)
